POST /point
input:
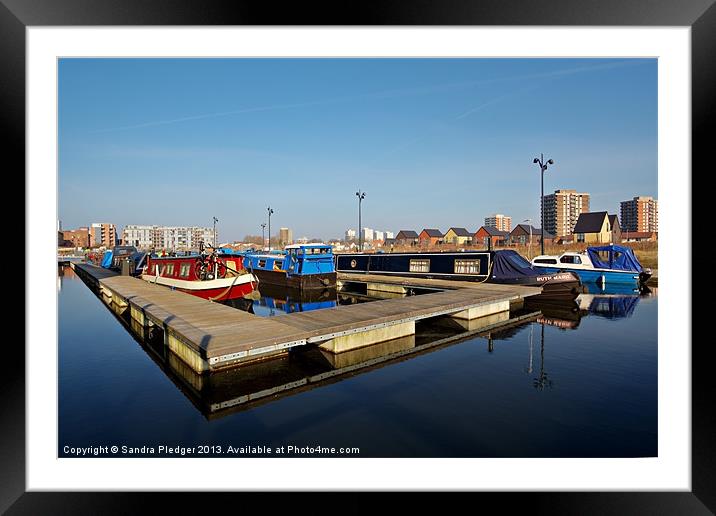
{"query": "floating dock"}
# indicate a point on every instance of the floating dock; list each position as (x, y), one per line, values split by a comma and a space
(210, 336)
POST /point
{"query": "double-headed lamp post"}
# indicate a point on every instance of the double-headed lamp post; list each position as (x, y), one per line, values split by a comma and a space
(263, 235)
(270, 211)
(543, 166)
(361, 196)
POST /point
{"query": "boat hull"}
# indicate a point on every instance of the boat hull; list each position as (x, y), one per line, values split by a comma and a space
(297, 281)
(214, 290)
(602, 276)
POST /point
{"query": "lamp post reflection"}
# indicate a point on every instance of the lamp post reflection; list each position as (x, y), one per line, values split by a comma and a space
(528, 369)
(542, 381)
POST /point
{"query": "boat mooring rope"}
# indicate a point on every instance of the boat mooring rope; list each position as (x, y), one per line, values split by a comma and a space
(226, 291)
(489, 271)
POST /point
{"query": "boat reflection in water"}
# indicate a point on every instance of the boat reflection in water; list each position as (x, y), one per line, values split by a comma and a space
(271, 300)
(615, 302)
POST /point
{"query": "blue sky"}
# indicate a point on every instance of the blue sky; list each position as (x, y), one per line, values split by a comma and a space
(433, 142)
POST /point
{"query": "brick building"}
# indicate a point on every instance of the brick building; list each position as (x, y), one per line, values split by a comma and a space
(562, 209)
(641, 214)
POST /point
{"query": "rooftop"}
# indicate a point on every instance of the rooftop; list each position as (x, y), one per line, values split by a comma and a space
(590, 222)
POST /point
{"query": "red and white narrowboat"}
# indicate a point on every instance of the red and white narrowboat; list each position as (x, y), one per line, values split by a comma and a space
(214, 276)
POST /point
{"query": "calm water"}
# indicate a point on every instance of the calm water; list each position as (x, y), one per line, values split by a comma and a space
(572, 383)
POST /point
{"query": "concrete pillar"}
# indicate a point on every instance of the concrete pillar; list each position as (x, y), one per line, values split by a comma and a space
(366, 338)
(186, 353)
(482, 310)
(138, 315)
(382, 294)
(356, 356)
(386, 287)
(473, 324)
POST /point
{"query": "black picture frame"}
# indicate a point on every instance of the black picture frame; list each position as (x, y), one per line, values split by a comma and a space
(700, 15)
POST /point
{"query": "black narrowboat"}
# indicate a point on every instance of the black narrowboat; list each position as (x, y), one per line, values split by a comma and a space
(503, 266)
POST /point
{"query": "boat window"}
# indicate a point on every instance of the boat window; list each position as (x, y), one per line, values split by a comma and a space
(184, 271)
(467, 266)
(169, 271)
(262, 263)
(277, 265)
(570, 259)
(419, 265)
(551, 261)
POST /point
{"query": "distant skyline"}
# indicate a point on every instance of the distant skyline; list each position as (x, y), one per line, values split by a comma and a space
(433, 142)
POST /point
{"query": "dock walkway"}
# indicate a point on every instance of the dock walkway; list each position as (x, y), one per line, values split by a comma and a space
(209, 336)
(434, 283)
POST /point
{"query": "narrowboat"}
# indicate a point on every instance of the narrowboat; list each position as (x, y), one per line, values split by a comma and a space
(492, 266)
(214, 276)
(603, 265)
(301, 266)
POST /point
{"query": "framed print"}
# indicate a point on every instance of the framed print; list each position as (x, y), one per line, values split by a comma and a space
(418, 249)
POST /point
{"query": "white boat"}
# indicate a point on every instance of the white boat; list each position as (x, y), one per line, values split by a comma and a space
(605, 265)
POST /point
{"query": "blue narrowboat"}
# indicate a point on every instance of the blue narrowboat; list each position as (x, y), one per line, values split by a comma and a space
(603, 265)
(302, 266)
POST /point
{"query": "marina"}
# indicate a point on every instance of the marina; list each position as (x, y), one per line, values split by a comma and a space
(543, 369)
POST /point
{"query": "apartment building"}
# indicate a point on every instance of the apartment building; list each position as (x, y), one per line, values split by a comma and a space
(562, 210)
(641, 214)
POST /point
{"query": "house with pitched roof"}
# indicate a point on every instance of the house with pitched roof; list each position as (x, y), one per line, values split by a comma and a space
(490, 237)
(616, 229)
(522, 233)
(596, 228)
(429, 237)
(406, 237)
(458, 236)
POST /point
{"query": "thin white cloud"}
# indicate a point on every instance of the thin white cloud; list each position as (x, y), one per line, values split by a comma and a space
(378, 94)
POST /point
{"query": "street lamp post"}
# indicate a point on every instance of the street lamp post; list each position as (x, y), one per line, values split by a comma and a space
(543, 166)
(361, 196)
(270, 211)
(215, 221)
(263, 235)
(529, 243)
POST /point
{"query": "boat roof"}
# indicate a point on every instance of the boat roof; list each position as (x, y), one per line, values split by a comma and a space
(299, 246)
(565, 253)
(265, 255)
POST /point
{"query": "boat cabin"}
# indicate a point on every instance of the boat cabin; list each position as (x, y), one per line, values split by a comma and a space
(192, 268)
(570, 258)
(297, 259)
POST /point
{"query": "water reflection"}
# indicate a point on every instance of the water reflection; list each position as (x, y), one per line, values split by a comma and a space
(616, 302)
(542, 381)
(309, 367)
(269, 300)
